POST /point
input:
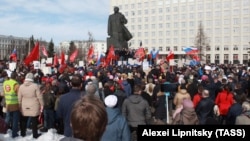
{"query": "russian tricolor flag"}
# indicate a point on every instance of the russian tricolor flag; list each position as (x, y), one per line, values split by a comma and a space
(190, 50)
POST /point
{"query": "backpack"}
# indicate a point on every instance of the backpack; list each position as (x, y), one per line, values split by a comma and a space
(3, 126)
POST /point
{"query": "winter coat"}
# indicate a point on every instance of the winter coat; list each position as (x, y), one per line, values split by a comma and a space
(160, 106)
(196, 99)
(65, 106)
(182, 94)
(243, 119)
(204, 109)
(30, 99)
(126, 87)
(136, 110)
(117, 128)
(234, 111)
(187, 116)
(224, 101)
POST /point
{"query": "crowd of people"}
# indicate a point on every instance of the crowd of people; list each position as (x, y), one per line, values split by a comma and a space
(94, 103)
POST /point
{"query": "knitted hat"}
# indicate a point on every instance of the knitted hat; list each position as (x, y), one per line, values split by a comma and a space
(29, 77)
(111, 101)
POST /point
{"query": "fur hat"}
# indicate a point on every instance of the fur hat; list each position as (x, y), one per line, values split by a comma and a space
(29, 77)
(111, 101)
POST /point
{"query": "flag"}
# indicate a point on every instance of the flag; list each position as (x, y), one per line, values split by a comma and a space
(100, 59)
(90, 52)
(55, 60)
(170, 55)
(111, 54)
(33, 55)
(154, 54)
(13, 55)
(73, 56)
(190, 50)
(44, 51)
(62, 57)
(196, 57)
(63, 65)
(140, 54)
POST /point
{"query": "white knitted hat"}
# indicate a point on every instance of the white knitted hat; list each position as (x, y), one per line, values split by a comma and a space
(111, 101)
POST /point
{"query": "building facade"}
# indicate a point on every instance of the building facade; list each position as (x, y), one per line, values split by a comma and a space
(83, 46)
(173, 24)
(9, 43)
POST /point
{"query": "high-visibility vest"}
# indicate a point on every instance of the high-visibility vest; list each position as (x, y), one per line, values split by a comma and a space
(9, 92)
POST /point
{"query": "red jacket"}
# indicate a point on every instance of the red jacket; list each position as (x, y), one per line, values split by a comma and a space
(224, 100)
(196, 99)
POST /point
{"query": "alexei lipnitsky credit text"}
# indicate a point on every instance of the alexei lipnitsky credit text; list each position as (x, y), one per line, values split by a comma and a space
(192, 131)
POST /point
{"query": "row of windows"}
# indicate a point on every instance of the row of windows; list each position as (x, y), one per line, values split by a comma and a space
(192, 21)
(200, 4)
(218, 40)
(8, 46)
(191, 24)
(226, 56)
(11, 41)
(199, 14)
(208, 48)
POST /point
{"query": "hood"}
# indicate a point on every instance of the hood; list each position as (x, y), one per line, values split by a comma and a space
(183, 91)
(135, 99)
(27, 83)
(113, 113)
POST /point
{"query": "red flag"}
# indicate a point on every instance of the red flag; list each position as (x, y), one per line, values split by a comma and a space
(140, 54)
(196, 57)
(13, 55)
(62, 58)
(34, 55)
(63, 65)
(170, 55)
(73, 56)
(44, 51)
(111, 54)
(55, 61)
(90, 52)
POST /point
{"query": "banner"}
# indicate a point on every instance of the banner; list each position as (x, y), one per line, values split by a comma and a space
(36, 64)
(12, 66)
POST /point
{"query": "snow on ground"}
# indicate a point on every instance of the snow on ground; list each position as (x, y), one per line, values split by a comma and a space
(51, 135)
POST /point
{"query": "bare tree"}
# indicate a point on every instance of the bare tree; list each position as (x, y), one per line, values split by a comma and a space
(201, 42)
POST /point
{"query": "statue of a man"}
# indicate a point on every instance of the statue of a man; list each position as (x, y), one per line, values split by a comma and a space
(119, 34)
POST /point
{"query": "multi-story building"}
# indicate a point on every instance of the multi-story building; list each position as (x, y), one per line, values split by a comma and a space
(9, 43)
(83, 46)
(21, 44)
(173, 24)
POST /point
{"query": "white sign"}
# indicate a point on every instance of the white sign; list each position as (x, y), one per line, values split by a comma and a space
(49, 60)
(137, 62)
(119, 63)
(43, 61)
(131, 61)
(81, 63)
(171, 62)
(46, 70)
(145, 65)
(36, 64)
(12, 66)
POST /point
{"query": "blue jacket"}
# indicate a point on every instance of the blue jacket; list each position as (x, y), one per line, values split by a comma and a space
(65, 106)
(117, 128)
